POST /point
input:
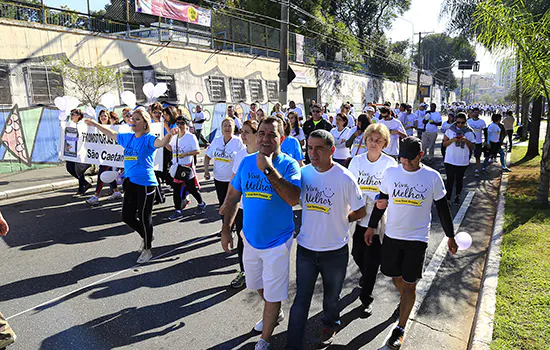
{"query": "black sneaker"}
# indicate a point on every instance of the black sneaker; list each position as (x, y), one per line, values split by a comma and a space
(361, 281)
(367, 310)
(396, 338)
(396, 311)
(326, 338)
(457, 200)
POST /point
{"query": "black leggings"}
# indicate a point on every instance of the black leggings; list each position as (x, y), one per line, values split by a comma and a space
(221, 190)
(367, 259)
(240, 243)
(190, 188)
(455, 173)
(82, 182)
(137, 207)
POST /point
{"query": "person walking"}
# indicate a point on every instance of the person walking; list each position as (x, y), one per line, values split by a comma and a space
(316, 122)
(495, 135)
(407, 193)
(140, 181)
(331, 199)
(75, 169)
(184, 147)
(369, 169)
(198, 123)
(341, 134)
(509, 122)
(432, 120)
(459, 141)
(222, 150)
(397, 132)
(269, 182)
(479, 126)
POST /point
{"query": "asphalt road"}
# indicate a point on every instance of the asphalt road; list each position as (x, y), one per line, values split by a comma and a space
(70, 281)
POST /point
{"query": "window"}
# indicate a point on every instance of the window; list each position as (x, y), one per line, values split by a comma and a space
(272, 91)
(237, 90)
(133, 81)
(216, 88)
(44, 85)
(5, 91)
(256, 90)
(171, 94)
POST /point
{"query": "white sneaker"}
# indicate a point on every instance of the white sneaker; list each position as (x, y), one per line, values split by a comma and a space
(142, 245)
(93, 200)
(145, 256)
(262, 345)
(115, 196)
(259, 327)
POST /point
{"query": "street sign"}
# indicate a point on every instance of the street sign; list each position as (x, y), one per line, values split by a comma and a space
(289, 76)
(425, 90)
(476, 66)
(465, 65)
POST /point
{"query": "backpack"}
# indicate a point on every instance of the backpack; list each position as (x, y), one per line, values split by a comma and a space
(7, 335)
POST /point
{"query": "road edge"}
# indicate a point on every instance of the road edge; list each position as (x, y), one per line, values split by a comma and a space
(54, 186)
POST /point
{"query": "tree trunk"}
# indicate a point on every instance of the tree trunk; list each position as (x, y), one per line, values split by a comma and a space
(544, 180)
(524, 115)
(533, 148)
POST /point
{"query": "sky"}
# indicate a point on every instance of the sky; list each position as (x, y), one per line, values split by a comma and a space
(423, 16)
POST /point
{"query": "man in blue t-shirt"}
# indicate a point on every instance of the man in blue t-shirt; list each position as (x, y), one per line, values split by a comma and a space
(269, 182)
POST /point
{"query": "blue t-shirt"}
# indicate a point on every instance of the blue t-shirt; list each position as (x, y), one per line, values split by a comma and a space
(291, 146)
(268, 221)
(139, 155)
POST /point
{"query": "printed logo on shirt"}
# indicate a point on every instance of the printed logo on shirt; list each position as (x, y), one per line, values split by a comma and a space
(318, 200)
(368, 182)
(130, 158)
(222, 156)
(405, 194)
(258, 187)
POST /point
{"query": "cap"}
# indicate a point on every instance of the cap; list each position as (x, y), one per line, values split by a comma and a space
(181, 117)
(410, 147)
(423, 104)
(369, 109)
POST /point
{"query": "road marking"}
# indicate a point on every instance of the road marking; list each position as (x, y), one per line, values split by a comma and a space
(428, 276)
(109, 277)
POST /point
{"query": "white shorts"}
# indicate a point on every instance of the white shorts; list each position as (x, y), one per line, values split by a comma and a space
(268, 269)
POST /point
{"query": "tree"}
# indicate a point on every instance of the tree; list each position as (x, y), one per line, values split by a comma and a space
(440, 52)
(528, 37)
(90, 83)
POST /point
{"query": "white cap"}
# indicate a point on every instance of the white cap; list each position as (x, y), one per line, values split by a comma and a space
(369, 109)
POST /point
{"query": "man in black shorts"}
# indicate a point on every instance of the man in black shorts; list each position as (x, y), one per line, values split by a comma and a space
(408, 191)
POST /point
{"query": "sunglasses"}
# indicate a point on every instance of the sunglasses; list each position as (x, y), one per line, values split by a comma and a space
(181, 123)
(460, 123)
(316, 111)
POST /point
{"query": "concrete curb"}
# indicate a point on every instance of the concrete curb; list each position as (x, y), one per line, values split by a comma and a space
(482, 332)
(54, 186)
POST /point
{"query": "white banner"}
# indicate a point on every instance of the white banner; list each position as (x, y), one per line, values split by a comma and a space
(299, 48)
(85, 144)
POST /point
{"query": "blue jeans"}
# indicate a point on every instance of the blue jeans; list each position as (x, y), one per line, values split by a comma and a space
(332, 266)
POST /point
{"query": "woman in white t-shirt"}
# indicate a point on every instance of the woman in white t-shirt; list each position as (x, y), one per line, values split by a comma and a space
(444, 127)
(459, 141)
(369, 168)
(341, 135)
(248, 136)
(295, 130)
(222, 150)
(356, 139)
(184, 147)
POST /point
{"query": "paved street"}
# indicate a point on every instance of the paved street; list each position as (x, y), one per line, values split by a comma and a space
(72, 281)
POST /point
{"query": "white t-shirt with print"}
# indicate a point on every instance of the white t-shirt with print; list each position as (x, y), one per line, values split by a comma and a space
(456, 155)
(340, 137)
(187, 143)
(392, 124)
(493, 132)
(369, 177)
(198, 116)
(236, 162)
(327, 198)
(359, 146)
(478, 126)
(223, 155)
(436, 117)
(297, 110)
(408, 121)
(411, 195)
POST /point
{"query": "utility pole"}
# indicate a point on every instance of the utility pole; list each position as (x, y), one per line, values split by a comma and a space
(461, 85)
(419, 70)
(128, 18)
(283, 48)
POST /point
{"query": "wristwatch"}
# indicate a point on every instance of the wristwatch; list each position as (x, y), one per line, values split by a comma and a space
(268, 170)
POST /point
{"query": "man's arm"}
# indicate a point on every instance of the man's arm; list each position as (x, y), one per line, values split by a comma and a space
(377, 213)
(287, 191)
(444, 213)
(231, 206)
(358, 214)
(4, 228)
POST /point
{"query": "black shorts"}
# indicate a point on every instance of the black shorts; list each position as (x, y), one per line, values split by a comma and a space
(478, 150)
(403, 259)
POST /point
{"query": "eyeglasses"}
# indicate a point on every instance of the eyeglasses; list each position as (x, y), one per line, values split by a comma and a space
(316, 111)
(460, 123)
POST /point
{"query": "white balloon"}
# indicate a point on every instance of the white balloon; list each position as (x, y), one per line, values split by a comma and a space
(108, 100)
(109, 176)
(148, 90)
(463, 240)
(159, 89)
(62, 116)
(70, 104)
(60, 103)
(129, 99)
(90, 111)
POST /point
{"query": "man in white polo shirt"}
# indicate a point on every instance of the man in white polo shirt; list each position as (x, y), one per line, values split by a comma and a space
(408, 191)
(397, 132)
(432, 121)
(331, 199)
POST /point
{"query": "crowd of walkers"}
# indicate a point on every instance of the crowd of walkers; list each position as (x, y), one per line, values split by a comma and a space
(367, 169)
